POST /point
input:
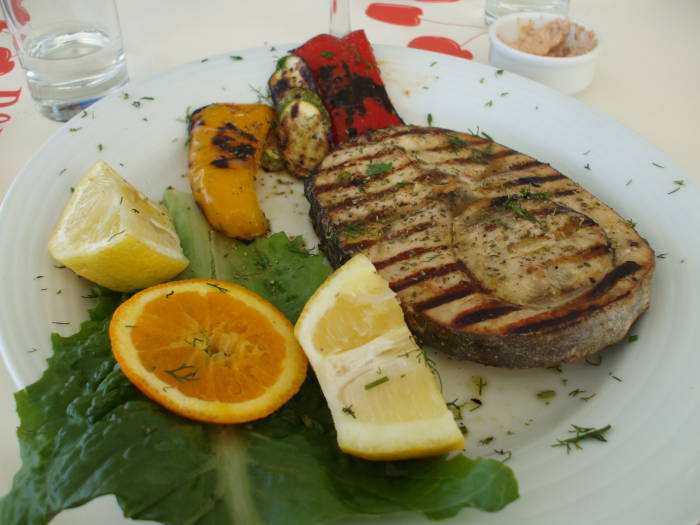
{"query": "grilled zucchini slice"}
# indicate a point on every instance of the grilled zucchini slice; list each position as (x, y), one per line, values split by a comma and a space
(304, 131)
(291, 72)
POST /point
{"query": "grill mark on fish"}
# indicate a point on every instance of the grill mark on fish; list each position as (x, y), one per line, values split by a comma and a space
(361, 159)
(586, 254)
(548, 321)
(533, 181)
(625, 269)
(502, 200)
(525, 165)
(451, 294)
(368, 243)
(355, 180)
(359, 200)
(484, 312)
(461, 161)
(360, 246)
(413, 252)
(424, 275)
(505, 154)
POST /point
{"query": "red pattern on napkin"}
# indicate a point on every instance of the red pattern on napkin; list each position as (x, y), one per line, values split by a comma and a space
(440, 44)
(400, 15)
(21, 14)
(6, 62)
(411, 16)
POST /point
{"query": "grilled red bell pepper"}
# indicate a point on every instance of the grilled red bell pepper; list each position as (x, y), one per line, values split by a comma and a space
(350, 84)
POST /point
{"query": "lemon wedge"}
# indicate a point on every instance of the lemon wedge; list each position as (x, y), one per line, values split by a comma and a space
(113, 235)
(384, 398)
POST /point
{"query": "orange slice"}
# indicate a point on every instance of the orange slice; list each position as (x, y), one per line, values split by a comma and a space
(208, 350)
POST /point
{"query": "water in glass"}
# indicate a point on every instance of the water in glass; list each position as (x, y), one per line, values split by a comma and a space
(496, 8)
(69, 68)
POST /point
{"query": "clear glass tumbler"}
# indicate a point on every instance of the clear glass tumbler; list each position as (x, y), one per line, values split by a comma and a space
(71, 51)
(496, 8)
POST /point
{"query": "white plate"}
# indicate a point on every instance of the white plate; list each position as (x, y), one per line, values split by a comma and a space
(649, 470)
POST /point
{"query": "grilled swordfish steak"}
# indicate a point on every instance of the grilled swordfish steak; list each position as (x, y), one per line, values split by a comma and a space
(495, 256)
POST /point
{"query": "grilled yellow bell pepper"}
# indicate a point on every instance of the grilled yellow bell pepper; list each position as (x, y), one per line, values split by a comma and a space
(226, 143)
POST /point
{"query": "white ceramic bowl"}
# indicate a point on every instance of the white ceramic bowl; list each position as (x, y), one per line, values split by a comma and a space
(566, 74)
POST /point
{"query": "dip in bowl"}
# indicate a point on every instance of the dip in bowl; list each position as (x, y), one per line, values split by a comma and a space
(548, 48)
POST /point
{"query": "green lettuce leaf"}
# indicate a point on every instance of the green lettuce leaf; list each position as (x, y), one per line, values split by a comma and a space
(85, 431)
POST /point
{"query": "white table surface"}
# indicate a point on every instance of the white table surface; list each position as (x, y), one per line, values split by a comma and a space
(648, 77)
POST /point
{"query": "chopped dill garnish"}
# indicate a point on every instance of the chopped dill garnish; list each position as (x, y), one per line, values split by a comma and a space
(218, 287)
(511, 203)
(482, 156)
(185, 375)
(114, 235)
(477, 404)
(480, 383)
(632, 338)
(456, 409)
(486, 440)
(378, 168)
(456, 143)
(349, 411)
(343, 177)
(352, 230)
(506, 453)
(376, 382)
(679, 183)
(262, 95)
(546, 394)
(581, 434)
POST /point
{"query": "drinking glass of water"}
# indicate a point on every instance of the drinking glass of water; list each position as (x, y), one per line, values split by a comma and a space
(496, 8)
(71, 51)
